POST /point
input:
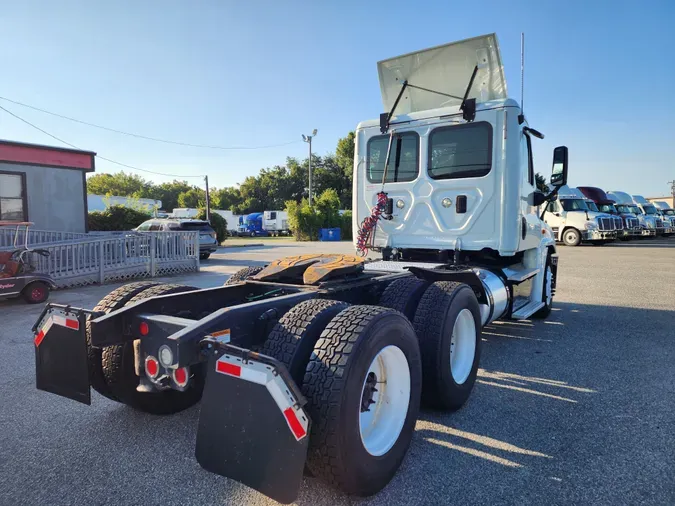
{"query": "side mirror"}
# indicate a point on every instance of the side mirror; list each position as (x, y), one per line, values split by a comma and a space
(559, 172)
(537, 199)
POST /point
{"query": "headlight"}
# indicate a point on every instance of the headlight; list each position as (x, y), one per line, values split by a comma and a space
(591, 225)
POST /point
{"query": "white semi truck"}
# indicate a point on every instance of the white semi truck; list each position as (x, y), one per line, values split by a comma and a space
(667, 213)
(625, 204)
(320, 362)
(574, 222)
(651, 212)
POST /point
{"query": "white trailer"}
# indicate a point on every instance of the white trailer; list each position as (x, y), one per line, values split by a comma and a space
(231, 218)
(184, 212)
(275, 223)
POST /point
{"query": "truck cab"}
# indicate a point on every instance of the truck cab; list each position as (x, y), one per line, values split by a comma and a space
(448, 175)
(667, 213)
(624, 204)
(573, 222)
(652, 214)
(628, 226)
(252, 225)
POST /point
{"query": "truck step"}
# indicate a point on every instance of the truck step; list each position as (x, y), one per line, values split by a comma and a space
(519, 273)
(524, 312)
(389, 266)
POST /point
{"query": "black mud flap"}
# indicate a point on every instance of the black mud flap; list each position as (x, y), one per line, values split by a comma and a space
(252, 427)
(61, 364)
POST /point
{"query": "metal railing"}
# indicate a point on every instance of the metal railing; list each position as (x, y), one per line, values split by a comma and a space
(115, 257)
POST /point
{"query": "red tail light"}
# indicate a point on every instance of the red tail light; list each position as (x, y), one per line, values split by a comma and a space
(144, 329)
(180, 376)
(151, 367)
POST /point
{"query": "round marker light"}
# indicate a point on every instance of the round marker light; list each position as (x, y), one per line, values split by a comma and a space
(446, 202)
(400, 204)
(165, 356)
(180, 376)
(151, 367)
(144, 329)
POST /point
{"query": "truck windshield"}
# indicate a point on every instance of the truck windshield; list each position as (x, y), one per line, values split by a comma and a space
(649, 209)
(574, 205)
(668, 212)
(591, 206)
(607, 208)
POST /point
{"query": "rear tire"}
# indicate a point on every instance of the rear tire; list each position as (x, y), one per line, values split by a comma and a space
(204, 256)
(111, 302)
(355, 450)
(292, 339)
(404, 295)
(120, 374)
(571, 237)
(242, 275)
(36, 292)
(448, 326)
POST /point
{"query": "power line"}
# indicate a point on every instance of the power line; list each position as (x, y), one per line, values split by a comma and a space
(97, 156)
(139, 136)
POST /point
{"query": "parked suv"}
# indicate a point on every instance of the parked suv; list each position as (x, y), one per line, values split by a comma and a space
(208, 242)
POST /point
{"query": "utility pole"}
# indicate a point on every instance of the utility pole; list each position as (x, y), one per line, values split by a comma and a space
(672, 192)
(308, 139)
(208, 199)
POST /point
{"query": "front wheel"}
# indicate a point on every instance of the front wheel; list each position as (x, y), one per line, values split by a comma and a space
(363, 386)
(204, 256)
(547, 291)
(571, 237)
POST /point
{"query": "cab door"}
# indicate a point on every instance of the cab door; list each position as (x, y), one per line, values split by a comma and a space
(530, 224)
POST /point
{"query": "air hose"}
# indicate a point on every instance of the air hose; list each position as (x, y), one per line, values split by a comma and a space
(367, 228)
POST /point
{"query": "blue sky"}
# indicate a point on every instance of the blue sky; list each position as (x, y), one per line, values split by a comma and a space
(599, 77)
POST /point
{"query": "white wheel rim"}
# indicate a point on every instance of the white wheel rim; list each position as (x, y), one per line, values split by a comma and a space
(381, 426)
(571, 237)
(549, 286)
(462, 346)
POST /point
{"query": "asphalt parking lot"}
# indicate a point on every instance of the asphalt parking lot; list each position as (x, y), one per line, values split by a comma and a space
(577, 409)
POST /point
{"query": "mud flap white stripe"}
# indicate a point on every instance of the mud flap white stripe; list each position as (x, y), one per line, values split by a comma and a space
(55, 319)
(257, 372)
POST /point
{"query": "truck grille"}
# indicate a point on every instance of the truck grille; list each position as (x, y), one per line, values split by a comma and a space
(659, 223)
(672, 222)
(632, 223)
(618, 223)
(605, 224)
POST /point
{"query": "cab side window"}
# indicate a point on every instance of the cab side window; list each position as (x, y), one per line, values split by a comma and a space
(553, 207)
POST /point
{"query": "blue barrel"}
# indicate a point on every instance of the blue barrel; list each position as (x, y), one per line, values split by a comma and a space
(330, 234)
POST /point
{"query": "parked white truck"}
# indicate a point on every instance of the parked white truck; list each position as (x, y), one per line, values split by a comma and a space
(667, 214)
(650, 212)
(573, 222)
(345, 350)
(625, 204)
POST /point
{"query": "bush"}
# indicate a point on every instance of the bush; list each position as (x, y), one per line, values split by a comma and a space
(305, 220)
(218, 223)
(117, 218)
(346, 226)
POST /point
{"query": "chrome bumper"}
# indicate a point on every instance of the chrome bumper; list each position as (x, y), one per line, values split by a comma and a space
(598, 235)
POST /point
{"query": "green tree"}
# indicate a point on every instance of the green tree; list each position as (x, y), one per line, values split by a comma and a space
(226, 198)
(168, 193)
(118, 184)
(541, 183)
(193, 198)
